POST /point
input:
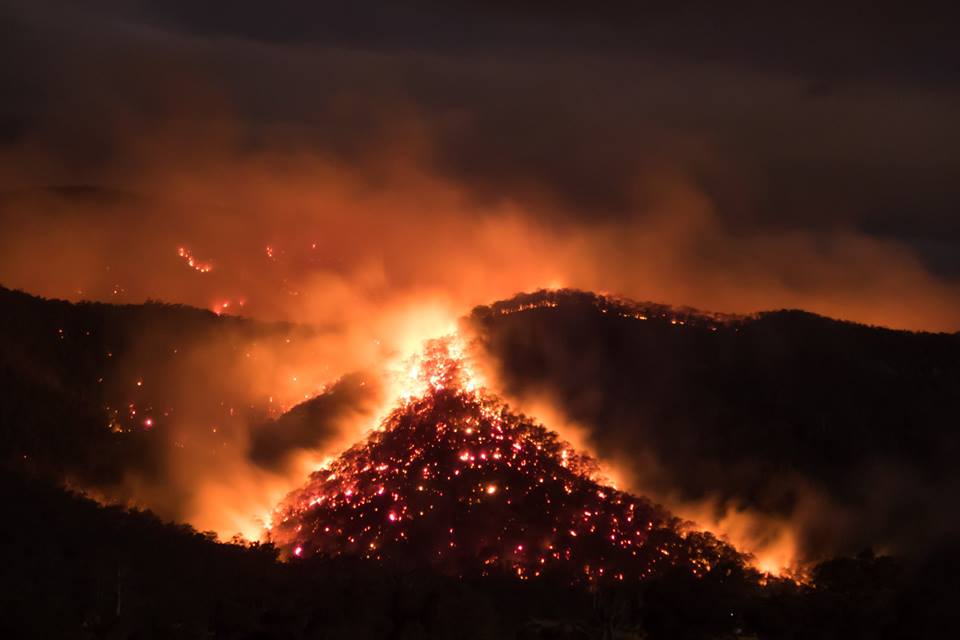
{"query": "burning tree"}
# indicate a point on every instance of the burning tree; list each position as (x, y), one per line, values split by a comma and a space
(453, 479)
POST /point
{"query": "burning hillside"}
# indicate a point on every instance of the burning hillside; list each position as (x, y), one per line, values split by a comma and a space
(455, 480)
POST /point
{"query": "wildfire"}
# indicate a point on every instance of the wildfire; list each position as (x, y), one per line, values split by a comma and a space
(454, 479)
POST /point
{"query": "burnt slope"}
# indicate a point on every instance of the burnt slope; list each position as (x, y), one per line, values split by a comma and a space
(755, 409)
(455, 480)
(80, 381)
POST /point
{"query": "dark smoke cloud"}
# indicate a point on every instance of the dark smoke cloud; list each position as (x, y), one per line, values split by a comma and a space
(814, 118)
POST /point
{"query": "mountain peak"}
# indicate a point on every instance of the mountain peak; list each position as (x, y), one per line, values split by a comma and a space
(456, 480)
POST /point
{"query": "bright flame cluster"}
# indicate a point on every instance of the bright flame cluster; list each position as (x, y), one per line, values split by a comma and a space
(443, 364)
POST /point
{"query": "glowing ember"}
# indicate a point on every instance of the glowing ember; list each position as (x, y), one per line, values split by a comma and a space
(223, 306)
(193, 262)
(415, 492)
(550, 299)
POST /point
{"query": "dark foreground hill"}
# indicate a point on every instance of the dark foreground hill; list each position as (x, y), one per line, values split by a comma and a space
(74, 569)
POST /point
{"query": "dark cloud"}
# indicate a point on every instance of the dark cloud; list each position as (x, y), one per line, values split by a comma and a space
(814, 117)
(820, 37)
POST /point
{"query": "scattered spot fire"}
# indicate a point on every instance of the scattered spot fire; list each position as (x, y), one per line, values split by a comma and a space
(193, 262)
(453, 479)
